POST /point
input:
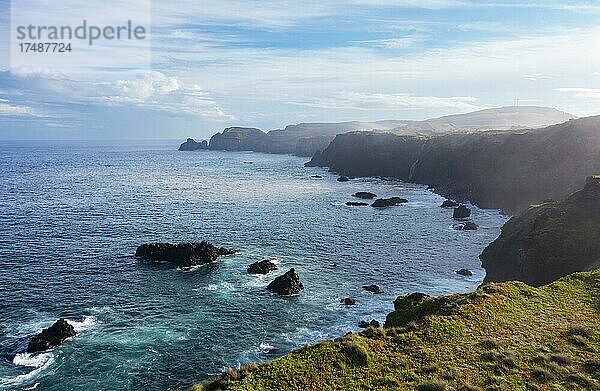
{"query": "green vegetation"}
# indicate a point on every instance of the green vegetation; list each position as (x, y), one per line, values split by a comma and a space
(504, 336)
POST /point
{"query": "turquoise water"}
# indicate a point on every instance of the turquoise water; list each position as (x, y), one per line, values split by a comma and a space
(72, 214)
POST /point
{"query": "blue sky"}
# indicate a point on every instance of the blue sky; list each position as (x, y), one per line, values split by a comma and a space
(270, 63)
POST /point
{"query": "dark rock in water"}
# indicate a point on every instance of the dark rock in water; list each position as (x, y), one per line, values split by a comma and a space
(365, 195)
(182, 254)
(316, 176)
(348, 301)
(464, 272)
(351, 203)
(192, 145)
(51, 337)
(264, 266)
(466, 226)
(287, 284)
(343, 179)
(385, 202)
(548, 241)
(461, 212)
(363, 324)
(449, 204)
(373, 289)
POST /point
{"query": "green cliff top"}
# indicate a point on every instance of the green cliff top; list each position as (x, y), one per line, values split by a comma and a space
(504, 336)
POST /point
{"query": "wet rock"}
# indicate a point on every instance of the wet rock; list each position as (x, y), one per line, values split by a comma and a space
(264, 266)
(287, 284)
(385, 202)
(449, 204)
(182, 254)
(466, 226)
(365, 195)
(464, 272)
(343, 178)
(51, 337)
(348, 301)
(373, 289)
(351, 203)
(363, 324)
(461, 212)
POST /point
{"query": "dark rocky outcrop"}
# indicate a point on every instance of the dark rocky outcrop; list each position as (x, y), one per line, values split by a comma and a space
(348, 301)
(192, 145)
(372, 288)
(461, 212)
(352, 203)
(365, 195)
(316, 176)
(51, 337)
(385, 202)
(508, 170)
(363, 324)
(449, 204)
(464, 272)
(548, 241)
(343, 178)
(239, 139)
(264, 266)
(466, 226)
(287, 284)
(182, 254)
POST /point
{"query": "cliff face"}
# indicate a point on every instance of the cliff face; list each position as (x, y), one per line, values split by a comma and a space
(497, 169)
(239, 139)
(192, 145)
(548, 241)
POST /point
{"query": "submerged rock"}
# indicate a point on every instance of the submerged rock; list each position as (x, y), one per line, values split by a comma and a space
(385, 202)
(461, 212)
(464, 272)
(343, 179)
(182, 254)
(449, 204)
(466, 226)
(373, 289)
(264, 266)
(287, 284)
(348, 301)
(365, 195)
(352, 203)
(363, 324)
(51, 337)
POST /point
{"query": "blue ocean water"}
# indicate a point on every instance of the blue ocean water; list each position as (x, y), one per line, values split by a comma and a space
(72, 214)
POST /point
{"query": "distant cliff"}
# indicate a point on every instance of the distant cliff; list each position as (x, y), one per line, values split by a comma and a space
(548, 241)
(306, 139)
(192, 145)
(494, 169)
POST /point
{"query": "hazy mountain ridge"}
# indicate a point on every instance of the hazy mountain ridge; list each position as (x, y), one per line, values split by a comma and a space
(305, 139)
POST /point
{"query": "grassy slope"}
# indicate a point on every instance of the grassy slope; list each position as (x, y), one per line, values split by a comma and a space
(505, 336)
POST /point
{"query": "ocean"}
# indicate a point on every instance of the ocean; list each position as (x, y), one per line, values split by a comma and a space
(72, 214)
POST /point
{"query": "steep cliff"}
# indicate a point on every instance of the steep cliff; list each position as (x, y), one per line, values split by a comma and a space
(499, 169)
(239, 139)
(548, 241)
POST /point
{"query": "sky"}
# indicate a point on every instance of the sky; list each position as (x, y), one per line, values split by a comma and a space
(210, 64)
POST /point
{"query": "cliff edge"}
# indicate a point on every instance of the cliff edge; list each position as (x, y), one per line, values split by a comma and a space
(549, 240)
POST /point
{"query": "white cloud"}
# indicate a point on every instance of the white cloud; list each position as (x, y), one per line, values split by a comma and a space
(590, 93)
(7, 109)
(392, 102)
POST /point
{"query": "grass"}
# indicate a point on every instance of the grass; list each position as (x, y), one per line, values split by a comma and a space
(506, 336)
